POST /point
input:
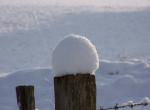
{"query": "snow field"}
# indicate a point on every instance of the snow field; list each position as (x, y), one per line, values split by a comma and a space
(130, 83)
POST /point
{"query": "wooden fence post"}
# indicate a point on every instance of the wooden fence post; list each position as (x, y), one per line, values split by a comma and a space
(75, 92)
(25, 97)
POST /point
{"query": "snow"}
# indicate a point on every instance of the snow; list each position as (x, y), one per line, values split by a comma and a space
(130, 83)
(108, 3)
(145, 100)
(75, 54)
(130, 103)
(28, 35)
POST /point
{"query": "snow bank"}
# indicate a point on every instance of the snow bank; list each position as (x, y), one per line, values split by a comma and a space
(120, 81)
(146, 100)
(116, 82)
(75, 54)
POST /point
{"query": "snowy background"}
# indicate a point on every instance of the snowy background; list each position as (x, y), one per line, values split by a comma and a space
(120, 31)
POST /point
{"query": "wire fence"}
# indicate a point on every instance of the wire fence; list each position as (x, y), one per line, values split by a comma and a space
(130, 105)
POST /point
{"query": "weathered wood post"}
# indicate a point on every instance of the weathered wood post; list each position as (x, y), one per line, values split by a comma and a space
(74, 61)
(75, 92)
(25, 97)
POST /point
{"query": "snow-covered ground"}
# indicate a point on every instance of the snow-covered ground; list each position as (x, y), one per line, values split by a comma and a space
(117, 82)
(29, 34)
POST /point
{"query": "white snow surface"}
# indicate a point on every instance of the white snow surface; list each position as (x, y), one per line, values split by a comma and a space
(146, 100)
(75, 54)
(116, 82)
(130, 102)
(29, 34)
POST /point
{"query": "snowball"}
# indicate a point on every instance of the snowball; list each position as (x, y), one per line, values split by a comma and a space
(75, 54)
(146, 100)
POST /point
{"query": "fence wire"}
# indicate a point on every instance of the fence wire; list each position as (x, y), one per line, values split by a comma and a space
(116, 107)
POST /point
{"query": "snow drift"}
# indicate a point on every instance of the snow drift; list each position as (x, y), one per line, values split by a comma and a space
(75, 54)
(117, 82)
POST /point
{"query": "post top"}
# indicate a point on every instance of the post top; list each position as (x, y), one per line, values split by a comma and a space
(75, 75)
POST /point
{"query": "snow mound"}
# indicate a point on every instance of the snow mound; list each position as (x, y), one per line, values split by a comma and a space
(75, 54)
(121, 81)
(146, 100)
(130, 103)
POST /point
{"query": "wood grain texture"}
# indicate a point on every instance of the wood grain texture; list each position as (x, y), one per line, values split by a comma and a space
(75, 92)
(25, 97)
